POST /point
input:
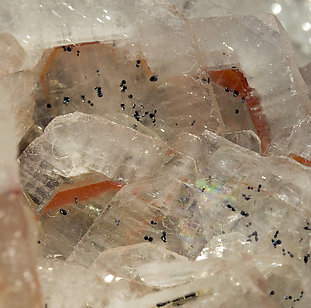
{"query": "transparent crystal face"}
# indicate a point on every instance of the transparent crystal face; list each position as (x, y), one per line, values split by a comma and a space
(163, 154)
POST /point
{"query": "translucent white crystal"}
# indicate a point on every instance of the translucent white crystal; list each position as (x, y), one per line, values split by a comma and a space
(145, 138)
(76, 144)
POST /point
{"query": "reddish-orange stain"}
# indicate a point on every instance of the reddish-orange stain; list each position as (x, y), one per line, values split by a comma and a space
(234, 80)
(59, 49)
(301, 160)
(83, 193)
(51, 59)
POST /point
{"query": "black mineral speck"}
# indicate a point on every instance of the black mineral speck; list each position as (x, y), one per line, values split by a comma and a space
(236, 111)
(66, 100)
(193, 122)
(235, 93)
(243, 213)
(136, 115)
(153, 222)
(153, 78)
(163, 237)
(48, 105)
(247, 198)
(130, 96)
(150, 239)
(99, 91)
(63, 211)
(275, 243)
(229, 206)
(272, 292)
(259, 187)
(122, 106)
(152, 116)
(306, 258)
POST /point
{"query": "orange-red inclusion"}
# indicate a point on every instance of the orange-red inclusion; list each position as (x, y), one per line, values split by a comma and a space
(79, 194)
(234, 80)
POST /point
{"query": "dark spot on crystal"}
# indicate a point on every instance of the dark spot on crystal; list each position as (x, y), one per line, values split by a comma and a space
(63, 211)
(246, 197)
(243, 213)
(163, 237)
(229, 206)
(306, 258)
(153, 78)
(66, 100)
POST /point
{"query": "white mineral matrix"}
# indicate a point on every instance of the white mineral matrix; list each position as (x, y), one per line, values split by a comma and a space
(155, 153)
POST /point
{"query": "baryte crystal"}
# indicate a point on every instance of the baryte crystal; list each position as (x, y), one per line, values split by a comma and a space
(193, 283)
(163, 211)
(18, 278)
(76, 144)
(246, 139)
(88, 288)
(166, 157)
(117, 81)
(274, 90)
(124, 261)
(294, 16)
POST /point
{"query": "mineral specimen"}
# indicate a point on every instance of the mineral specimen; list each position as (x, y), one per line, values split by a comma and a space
(163, 154)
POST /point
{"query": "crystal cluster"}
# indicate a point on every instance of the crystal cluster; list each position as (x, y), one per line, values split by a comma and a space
(155, 153)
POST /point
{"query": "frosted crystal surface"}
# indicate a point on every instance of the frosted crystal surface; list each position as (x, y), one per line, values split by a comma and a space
(155, 153)
(293, 14)
(18, 277)
(69, 149)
